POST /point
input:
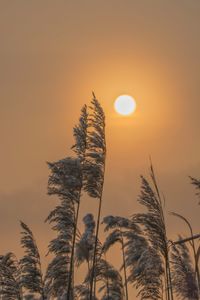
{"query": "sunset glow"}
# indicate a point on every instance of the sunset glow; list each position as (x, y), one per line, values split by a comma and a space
(100, 150)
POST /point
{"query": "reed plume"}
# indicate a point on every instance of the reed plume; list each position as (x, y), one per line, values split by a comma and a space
(183, 274)
(64, 182)
(10, 287)
(119, 227)
(30, 265)
(94, 169)
(153, 224)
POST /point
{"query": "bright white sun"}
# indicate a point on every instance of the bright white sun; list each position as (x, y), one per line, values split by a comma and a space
(125, 105)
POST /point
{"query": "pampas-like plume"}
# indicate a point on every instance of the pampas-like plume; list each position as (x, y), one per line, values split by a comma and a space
(80, 135)
(85, 242)
(109, 280)
(57, 275)
(153, 224)
(84, 253)
(107, 277)
(65, 179)
(183, 273)
(10, 278)
(96, 151)
(119, 227)
(95, 168)
(145, 266)
(30, 265)
(196, 183)
(113, 222)
(83, 292)
(65, 182)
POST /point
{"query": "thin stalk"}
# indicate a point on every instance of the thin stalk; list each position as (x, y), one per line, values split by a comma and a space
(107, 284)
(93, 276)
(88, 284)
(41, 275)
(71, 273)
(168, 272)
(167, 281)
(95, 249)
(73, 249)
(162, 293)
(196, 236)
(124, 266)
(80, 134)
(107, 279)
(196, 266)
(170, 281)
(99, 118)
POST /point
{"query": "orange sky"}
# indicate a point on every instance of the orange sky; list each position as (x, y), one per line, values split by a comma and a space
(52, 55)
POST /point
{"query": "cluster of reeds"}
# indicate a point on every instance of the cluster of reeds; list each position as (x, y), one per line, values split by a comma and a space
(152, 264)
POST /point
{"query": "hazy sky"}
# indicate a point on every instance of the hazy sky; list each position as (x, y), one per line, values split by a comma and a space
(52, 55)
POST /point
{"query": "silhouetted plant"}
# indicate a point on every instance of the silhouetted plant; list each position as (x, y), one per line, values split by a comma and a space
(10, 288)
(108, 279)
(65, 182)
(153, 224)
(145, 248)
(85, 242)
(95, 167)
(80, 135)
(119, 226)
(195, 254)
(83, 292)
(196, 183)
(30, 264)
(183, 273)
(145, 266)
(85, 252)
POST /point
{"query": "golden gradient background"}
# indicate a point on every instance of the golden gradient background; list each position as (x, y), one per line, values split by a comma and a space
(52, 55)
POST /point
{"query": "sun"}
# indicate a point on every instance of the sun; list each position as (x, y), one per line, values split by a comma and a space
(125, 105)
